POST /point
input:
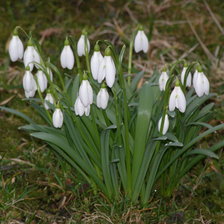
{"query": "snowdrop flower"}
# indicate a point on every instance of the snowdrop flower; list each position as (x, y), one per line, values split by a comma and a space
(15, 47)
(31, 56)
(195, 76)
(141, 42)
(81, 45)
(102, 98)
(163, 80)
(57, 118)
(48, 99)
(201, 84)
(165, 125)
(189, 77)
(107, 69)
(80, 109)
(86, 92)
(67, 57)
(29, 83)
(95, 62)
(42, 80)
(177, 99)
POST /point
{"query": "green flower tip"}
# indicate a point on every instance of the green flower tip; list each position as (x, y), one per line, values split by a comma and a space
(177, 83)
(84, 32)
(15, 31)
(108, 51)
(199, 68)
(185, 64)
(140, 27)
(30, 42)
(96, 47)
(66, 43)
(164, 69)
(103, 85)
(27, 68)
(85, 76)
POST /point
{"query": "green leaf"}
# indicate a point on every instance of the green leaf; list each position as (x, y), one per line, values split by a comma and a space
(204, 152)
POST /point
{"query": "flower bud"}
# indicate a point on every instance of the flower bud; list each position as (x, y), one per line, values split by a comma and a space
(15, 48)
(163, 80)
(29, 83)
(80, 109)
(86, 93)
(48, 99)
(81, 46)
(57, 118)
(95, 62)
(42, 80)
(102, 98)
(141, 42)
(67, 57)
(165, 124)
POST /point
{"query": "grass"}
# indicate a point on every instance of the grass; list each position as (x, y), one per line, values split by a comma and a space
(35, 186)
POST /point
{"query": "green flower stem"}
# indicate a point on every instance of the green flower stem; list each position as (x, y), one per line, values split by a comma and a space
(23, 31)
(87, 56)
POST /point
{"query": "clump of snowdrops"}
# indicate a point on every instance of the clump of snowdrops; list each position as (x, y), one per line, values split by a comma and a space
(127, 142)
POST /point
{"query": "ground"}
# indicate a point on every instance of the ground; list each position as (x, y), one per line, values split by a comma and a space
(35, 185)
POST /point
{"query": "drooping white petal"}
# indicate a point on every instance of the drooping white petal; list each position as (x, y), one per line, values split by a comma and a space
(86, 93)
(42, 80)
(172, 100)
(95, 63)
(15, 48)
(79, 107)
(163, 80)
(165, 125)
(28, 82)
(110, 71)
(48, 99)
(87, 110)
(201, 84)
(81, 46)
(144, 42)
(180, 100)
(137, 42)
(30, 56)
(102, 98)
(206, 85)
(67, 57)
(189, 77)
(57, 118)
(195, 76)
(30, 93)
(102, 71)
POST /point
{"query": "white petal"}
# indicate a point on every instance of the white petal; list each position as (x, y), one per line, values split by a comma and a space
(57, 118)
(28, 82)
(137, 42)
(163, 80)
(28, 57)
(20, 48)
(87, 110)
(79, 108)
(199, 85)
(102, 71)
(49, 98)
(42, 80)
(104, 98)
(110, 71)
(206, 85)
(36, 57)
(98, 99)
(181, 100)
(172, 100)
(144, 42)
(69, 57)
(80, 46)
(189, 77)
(30, 94)
(63, 58)
(95, 63)
(84, 93)
(90, 93)
(15, 48)
(195, 76)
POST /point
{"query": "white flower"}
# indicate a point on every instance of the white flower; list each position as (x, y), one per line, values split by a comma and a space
(86, 93)
(42, 80)
(30, 56)
(67, 57)
(141, 42)
(107, 70)
(201, 84)
(165, 125)
(163, 80)
(29, 83)
(80, 109)
(57, 118)
(177, 100)
(189, 77)
(102, 98)
(48, 99)
(81, 46)
(95, 62)
(15, 48)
